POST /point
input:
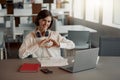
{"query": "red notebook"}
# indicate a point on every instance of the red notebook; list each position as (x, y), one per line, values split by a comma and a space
(29, 67)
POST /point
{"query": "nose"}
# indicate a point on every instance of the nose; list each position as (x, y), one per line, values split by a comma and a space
(46, 22)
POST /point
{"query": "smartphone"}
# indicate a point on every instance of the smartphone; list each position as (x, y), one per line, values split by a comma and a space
(46, 71)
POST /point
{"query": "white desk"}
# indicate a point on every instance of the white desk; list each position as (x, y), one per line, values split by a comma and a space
(65, 28)
(61, 29)
(20, 30)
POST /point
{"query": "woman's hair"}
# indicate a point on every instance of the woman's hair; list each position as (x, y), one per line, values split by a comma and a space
(43, 14)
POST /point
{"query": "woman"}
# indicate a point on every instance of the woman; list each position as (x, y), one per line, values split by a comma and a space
(42, 42)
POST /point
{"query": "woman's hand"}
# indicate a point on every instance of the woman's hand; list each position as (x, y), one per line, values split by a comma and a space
(48, 43)
(55, 44)
(42, 42)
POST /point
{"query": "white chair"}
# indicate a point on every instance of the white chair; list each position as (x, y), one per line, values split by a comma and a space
(80, 38)
(3, 53)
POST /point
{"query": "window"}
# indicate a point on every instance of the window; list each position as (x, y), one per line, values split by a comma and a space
(78, 6)
(92, 10)
(107, 12)
(87, 8)
(116, 12)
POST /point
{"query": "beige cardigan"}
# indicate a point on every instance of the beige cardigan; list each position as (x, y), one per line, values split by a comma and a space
(29, 47)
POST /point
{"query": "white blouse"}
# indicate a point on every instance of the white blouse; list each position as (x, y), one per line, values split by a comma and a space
(30, 46)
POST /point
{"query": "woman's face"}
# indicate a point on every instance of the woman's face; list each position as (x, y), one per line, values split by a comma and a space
(44, 23)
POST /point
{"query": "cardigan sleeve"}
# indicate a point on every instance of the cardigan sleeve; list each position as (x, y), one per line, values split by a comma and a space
(28, 47)
(66, 43)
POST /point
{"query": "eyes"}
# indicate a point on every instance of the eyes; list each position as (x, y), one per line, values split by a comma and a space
(48, 21)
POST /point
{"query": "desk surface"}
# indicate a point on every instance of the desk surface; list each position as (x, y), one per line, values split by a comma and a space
(65, 28)
(107, 69)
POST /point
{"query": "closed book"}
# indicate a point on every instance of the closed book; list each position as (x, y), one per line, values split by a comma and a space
(29, 67)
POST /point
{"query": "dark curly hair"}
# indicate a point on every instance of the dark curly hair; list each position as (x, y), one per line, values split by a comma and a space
(43, 14)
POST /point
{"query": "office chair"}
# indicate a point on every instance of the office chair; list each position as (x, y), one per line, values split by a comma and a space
(80, 38)
(3, 52)
(27, 25)
(109, 46)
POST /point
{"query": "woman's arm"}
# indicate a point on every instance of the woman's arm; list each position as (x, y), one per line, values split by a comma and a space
(28, 47)
(66, 43)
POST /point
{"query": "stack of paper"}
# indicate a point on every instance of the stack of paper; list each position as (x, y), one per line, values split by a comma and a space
(49, 62)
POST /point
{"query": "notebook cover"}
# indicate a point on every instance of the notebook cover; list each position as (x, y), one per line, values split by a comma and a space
(29, 67)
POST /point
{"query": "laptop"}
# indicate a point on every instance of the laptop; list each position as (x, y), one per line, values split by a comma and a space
(83, 60)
